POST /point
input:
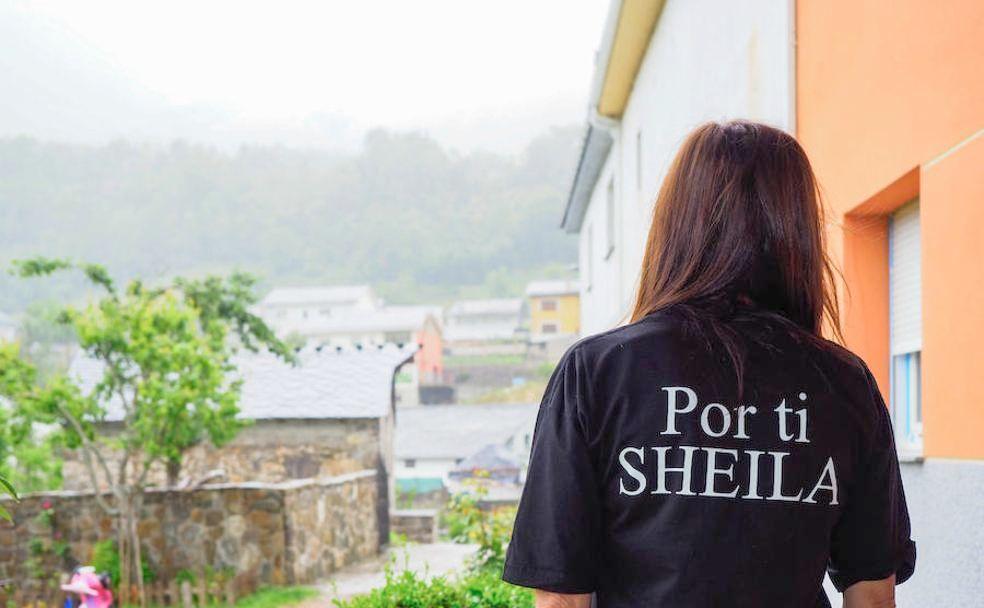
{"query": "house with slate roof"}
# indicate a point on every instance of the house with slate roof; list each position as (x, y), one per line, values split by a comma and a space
(351, 316)
(331, 414)
(433, 441)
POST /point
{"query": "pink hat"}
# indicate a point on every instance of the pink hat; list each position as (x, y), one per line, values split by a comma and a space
(87, 584)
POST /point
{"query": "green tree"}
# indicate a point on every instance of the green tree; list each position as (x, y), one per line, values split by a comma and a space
(167, 382)
(25, 454)
(6, 488)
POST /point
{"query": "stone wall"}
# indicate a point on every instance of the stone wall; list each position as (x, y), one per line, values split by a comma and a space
(324, 531)
(287, 533)
(418, 525)
(270, 451)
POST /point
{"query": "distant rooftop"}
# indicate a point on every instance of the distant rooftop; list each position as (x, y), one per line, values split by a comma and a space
(389, 318)
(493, 306)
(327, 383)
(456, 431)
(295, 296)
(551, 288)
(493, 458)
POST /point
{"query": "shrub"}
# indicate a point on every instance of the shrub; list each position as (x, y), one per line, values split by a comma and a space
(106, 558)
(408, 589)
(479, 586)
(490, 528)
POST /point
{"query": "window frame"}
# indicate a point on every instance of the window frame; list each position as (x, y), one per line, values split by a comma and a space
(905, 361)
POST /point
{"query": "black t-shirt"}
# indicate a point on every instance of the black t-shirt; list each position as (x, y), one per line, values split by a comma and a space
(651, 483)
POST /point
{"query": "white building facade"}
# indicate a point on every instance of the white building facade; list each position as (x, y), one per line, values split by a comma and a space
(662, 70)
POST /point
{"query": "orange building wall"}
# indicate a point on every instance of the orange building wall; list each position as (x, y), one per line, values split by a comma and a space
(890, 105)
(430, 356)
(953, 303)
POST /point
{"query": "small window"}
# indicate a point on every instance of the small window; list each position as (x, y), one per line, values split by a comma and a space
(548, 305)
(589, 258)
(410, 463)
(610, 218)
(549, 328)
(905, 322)
(907, 402)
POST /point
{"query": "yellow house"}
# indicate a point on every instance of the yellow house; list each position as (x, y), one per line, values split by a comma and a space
(555, 309)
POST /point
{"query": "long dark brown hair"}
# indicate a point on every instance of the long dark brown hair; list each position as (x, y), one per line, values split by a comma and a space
(738, 228)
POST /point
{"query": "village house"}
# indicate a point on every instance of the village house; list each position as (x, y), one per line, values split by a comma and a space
(351, 317)
(432, 442)
(485, 326)
(555, 317)
(330, 415)
(287, 307)
(555, 309)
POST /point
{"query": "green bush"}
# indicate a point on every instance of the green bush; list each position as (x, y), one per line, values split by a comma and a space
(408, 589)
(106, 558)
(479, 586)
(490, 528)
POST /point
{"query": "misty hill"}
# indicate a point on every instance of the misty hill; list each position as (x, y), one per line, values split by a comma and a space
(416, 220)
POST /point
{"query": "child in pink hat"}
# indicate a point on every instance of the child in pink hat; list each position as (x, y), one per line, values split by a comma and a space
(93, 590)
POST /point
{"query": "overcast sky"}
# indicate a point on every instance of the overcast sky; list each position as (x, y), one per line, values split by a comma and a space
(474, 73)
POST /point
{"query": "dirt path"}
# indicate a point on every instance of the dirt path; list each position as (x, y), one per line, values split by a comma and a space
(432, 559)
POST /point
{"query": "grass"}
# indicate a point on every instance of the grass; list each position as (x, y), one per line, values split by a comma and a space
(476, 360)
(275, 597)
(530, 392)
(272, 597)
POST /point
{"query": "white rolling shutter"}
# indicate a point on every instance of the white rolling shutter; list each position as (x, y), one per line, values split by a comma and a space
(905, 322)
(905, 284)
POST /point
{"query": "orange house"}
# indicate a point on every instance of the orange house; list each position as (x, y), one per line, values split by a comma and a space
(890, 108)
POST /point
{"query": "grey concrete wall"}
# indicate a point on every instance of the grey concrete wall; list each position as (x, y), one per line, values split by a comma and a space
(946, 505)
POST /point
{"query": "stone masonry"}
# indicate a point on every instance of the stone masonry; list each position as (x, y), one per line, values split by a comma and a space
(292, 532)
(270, 451)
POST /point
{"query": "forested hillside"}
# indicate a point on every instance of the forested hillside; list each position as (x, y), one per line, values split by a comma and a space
(416, 220)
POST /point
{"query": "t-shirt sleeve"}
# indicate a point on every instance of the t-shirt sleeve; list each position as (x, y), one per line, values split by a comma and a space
(871, 540)
(554, 544)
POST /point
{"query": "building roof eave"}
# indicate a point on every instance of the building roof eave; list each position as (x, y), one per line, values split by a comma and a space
(628, 31)
(594, 152)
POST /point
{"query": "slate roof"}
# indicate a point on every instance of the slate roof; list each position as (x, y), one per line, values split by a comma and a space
(456, 431)
(330, 383)
(493, 457)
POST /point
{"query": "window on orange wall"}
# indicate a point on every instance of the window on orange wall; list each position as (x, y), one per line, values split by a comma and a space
(549, 328)
(905, 323)
(548, 305)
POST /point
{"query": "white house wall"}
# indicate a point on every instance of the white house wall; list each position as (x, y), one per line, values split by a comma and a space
(707, 60)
